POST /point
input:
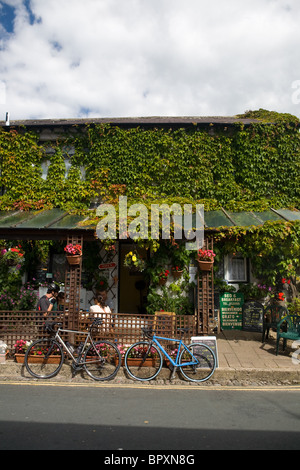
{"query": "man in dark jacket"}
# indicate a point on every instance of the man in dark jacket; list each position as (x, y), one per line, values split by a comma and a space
(45, 303)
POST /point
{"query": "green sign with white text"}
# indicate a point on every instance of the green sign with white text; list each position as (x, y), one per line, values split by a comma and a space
(231, 305)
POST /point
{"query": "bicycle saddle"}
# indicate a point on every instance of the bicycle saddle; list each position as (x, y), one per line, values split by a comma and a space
(183, 330)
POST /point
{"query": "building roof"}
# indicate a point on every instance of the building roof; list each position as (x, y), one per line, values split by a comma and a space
(57, 224)
(133, 121)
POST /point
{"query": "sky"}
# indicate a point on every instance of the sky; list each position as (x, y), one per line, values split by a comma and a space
(120, 58)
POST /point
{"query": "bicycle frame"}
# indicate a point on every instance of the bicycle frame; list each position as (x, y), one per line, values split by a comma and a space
(181, 343)
(61, 341)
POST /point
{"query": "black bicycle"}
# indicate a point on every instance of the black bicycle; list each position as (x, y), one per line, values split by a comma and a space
(44, 358)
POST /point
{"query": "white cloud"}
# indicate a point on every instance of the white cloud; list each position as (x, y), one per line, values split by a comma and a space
(149, 57)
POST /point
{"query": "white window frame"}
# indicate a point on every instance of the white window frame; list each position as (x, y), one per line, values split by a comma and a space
(228, 268)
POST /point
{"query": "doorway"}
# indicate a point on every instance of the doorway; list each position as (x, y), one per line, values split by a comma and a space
(132, 286)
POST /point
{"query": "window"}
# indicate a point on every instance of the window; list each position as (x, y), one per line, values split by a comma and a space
(236, 268)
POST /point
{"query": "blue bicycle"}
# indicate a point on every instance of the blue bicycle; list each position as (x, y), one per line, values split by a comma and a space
(143, 360)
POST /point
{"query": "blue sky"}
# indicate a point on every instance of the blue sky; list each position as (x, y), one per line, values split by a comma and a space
(110, 58)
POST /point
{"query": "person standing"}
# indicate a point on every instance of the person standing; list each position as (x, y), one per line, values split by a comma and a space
(45, 303)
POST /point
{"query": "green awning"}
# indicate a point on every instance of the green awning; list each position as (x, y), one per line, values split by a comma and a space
(39, 220)
(223, 218)
(58, 221)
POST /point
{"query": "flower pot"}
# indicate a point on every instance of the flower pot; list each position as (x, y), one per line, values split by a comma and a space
(162, 282)
(37, 359)
(73, 259)
(137, 362)
(177, 274)
(12, 262)
(205, 265)
(134, 270)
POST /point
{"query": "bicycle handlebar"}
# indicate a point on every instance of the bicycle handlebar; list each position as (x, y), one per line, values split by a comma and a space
(148, 332)
(49, 326)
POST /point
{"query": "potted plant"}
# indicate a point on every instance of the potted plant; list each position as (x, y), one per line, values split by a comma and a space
(73, 253)
(205, 259)
(37, 355)
(21, 347)
(13, 256)
(177, 272)
(101, 283)
(163, 276)
(136, 355)
(134, 261)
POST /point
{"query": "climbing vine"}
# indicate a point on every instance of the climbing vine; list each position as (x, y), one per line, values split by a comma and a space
(238, 167)
(274, 251)
(241, 167)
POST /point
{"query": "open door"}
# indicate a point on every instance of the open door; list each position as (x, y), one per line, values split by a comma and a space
(132, 286)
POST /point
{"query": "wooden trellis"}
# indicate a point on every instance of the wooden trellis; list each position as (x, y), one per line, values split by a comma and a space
(72, 287)
(205, 297)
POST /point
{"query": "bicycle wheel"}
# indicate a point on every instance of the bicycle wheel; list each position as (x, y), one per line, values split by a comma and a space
(205, 366)
(44, 358)
(102, 360)
(142, 362)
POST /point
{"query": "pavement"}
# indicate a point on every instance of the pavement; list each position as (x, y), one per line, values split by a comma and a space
(243, 361)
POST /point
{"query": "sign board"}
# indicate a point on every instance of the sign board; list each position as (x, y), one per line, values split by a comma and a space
(210, 341)
(253, 316)
(231, 305)
(107, 266)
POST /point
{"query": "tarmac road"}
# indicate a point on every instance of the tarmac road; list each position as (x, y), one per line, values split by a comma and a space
(121, 417)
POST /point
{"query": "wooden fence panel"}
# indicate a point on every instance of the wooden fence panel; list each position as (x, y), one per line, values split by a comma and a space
(121, 328)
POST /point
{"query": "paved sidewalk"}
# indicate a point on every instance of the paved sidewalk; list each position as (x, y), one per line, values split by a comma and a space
(244, 358)
(243, 361)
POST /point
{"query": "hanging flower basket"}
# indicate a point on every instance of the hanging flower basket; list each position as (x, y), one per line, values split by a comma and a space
(177, 272)
(13, 256)
(163, 277)
(134, 262)
(73, 253)
(205, 259)
(205, 265)
(75, 259)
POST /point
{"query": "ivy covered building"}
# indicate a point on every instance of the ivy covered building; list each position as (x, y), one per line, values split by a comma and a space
(245, 170)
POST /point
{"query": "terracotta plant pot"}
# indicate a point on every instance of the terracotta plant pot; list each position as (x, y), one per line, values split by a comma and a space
(73, 259)
(37, 360)
(177, 274)
(136, 361)
(205, 265)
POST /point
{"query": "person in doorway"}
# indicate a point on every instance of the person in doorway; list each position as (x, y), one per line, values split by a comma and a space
(45, 303)
(103, 294)
(101, 310)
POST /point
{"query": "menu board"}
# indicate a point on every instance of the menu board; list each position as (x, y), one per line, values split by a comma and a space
(211, 342)
(231, 305)
(253, 314)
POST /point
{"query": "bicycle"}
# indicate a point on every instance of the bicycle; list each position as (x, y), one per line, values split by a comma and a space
(197, 361)
(44, 357)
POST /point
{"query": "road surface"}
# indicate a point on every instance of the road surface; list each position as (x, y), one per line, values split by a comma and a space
(115, 418)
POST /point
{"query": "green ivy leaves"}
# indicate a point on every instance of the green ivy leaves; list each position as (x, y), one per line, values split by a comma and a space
(239, 168)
